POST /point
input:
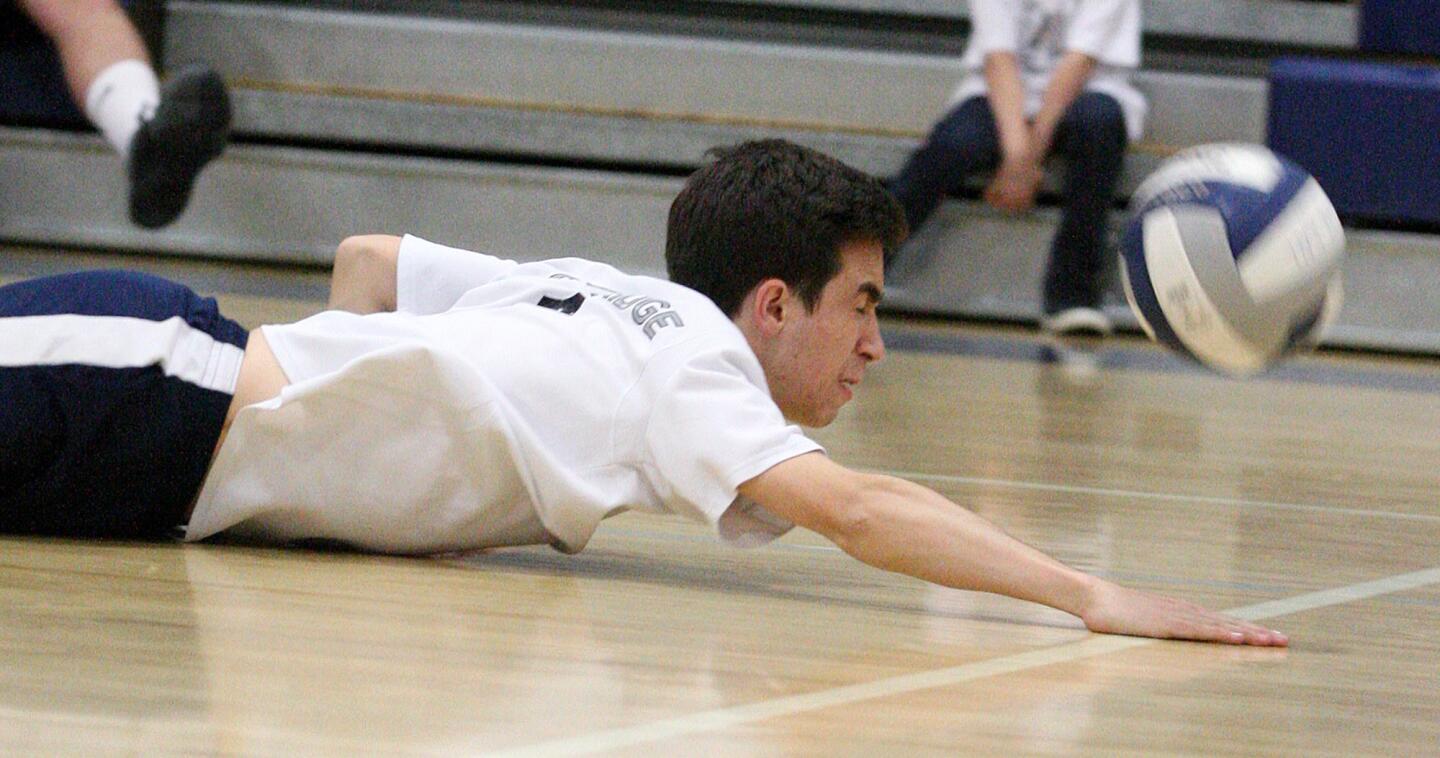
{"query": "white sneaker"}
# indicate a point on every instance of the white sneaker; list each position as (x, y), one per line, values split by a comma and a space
(1077, 321)
(1070, 342)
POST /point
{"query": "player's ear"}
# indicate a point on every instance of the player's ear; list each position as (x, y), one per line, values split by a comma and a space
(770, 304)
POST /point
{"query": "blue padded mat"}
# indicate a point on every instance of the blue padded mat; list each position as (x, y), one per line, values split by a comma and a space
(1400, 26)
(1367, 131)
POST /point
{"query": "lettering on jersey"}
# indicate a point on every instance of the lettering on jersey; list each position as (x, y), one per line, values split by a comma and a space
(651, 314)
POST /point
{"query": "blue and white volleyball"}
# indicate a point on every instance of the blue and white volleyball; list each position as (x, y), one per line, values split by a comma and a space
(1232, 257)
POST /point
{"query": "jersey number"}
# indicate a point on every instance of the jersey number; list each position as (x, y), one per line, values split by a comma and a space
(567, 306)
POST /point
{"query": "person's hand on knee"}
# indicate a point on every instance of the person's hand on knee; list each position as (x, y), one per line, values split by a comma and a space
(1015, 185)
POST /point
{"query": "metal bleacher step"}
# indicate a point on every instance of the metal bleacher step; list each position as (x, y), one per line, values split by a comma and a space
(606, 95)
(1291, 22)
(290, 204)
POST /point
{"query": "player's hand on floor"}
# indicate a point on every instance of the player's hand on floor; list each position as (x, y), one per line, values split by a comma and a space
(1119, 610)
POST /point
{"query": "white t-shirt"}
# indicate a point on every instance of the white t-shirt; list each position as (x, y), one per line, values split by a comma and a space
(1040, 32)
(502, 404)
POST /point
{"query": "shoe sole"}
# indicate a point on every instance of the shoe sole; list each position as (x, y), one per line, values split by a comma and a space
(1078, 322)
(190, 128)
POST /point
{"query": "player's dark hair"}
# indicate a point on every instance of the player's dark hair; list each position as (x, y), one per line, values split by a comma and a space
(773, 209)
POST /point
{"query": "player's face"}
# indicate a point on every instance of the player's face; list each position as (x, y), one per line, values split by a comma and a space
(823, 353)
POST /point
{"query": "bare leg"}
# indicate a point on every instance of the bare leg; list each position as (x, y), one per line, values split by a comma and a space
(91, 35)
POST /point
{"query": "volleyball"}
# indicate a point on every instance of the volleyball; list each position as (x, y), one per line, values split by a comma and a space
(1232, 257)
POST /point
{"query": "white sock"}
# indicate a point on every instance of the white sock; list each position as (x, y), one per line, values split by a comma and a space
(122, 95)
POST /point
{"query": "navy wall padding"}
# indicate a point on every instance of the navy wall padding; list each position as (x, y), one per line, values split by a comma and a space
(1400, 26)
(1366, 131)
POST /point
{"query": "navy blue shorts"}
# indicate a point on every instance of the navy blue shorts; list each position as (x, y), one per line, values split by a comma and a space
(113, 389)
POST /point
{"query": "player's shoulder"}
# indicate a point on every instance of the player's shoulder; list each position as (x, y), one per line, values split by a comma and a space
(647, 298)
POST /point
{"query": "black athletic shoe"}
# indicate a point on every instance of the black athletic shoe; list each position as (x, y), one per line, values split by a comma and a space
(189, 129)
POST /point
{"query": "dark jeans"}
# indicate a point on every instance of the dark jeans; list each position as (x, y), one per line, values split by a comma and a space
(1091, 138)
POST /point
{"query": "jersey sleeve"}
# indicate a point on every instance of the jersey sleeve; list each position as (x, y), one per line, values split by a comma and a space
(711, 429)
(1107, 30)
(431, 278)
(992, 28)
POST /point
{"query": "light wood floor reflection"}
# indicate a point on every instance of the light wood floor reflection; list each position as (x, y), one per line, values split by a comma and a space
(1308, 499)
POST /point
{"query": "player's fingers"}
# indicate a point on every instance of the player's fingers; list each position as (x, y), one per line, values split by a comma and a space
(1239, 632)
(1255, 634)
(1259, 635)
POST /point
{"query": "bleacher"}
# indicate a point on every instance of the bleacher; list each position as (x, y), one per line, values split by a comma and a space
(541, 128)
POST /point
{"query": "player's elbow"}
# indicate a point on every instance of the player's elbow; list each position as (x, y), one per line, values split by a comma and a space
(350, 257)
(363, 279)
(858, 514)
(358, 249)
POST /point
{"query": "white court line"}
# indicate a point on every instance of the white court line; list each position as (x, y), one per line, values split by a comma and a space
(1141, 495)
(721, 718)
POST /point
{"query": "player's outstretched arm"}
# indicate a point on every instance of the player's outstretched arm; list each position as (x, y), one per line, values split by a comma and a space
(900, 526)
(364, 277)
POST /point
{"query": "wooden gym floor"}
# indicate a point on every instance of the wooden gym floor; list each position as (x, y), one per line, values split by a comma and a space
(1306, 498)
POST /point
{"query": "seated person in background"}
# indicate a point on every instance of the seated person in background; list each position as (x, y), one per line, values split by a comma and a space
(1042, 77)
(165, 134)
(455, 401)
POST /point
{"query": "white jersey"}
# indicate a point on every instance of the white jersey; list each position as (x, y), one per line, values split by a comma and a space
(1039, 32)
(502, 404)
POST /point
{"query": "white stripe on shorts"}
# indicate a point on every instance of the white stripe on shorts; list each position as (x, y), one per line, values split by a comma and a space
(180, 350)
